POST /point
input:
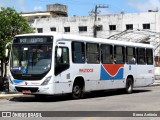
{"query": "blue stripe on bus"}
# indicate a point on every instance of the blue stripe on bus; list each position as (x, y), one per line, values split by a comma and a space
(17, 81)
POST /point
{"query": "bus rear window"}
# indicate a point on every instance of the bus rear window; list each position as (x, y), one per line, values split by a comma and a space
(141, 59)
(149, 56)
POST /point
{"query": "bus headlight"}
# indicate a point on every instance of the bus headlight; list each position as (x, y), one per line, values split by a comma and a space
(46, 80)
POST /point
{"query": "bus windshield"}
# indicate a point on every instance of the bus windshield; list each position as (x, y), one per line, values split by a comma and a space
(32, 58)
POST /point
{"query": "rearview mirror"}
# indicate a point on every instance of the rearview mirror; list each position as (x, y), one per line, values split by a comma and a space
(59, 52)
(6, 47)
(6, 53)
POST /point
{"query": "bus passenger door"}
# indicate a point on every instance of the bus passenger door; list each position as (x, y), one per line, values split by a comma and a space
(62, 72)
(61, 61)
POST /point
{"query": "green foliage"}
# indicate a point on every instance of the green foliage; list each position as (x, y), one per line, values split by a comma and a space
(11, 24)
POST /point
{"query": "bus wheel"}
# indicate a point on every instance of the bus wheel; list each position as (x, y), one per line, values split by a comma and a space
(77, 91)
(129, 86)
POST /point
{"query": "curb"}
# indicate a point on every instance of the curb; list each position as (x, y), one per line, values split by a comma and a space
(156, 84)
(4, 96)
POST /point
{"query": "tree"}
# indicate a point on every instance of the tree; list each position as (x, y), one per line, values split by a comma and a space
(11, 24)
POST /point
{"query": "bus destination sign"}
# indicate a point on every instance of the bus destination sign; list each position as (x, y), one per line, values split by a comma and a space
(33, 40)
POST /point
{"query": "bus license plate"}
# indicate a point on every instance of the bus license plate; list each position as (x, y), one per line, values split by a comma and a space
(26, 91)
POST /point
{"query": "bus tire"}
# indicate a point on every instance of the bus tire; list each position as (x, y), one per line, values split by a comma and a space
(129, 86)
(77, 91)
(39, 97)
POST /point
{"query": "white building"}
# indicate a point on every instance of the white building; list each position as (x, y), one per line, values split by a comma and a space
(108, 24)
(55, 10)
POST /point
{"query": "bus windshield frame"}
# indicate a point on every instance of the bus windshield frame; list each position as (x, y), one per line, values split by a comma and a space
(31, 57)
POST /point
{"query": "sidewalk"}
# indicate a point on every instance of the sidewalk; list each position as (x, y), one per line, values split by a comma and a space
(4, 95)
(156, 83)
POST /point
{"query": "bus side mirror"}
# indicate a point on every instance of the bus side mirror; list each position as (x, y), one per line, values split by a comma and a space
(59, 52)
(6, 53)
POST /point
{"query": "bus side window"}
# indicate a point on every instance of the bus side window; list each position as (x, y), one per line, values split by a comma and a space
(119, 54)
(141, 59)
(131, 59)
(107, 54)
(78, 52)
(149, 56)
(93, 53)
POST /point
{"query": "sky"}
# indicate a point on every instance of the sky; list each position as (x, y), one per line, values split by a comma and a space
(84, 7)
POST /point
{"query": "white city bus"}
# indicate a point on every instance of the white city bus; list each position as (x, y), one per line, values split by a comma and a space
(52, 63)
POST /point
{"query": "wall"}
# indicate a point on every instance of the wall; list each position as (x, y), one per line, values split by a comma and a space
(120, 20)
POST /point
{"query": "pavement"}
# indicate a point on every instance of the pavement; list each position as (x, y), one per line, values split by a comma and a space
(156, 83)
(5, 95)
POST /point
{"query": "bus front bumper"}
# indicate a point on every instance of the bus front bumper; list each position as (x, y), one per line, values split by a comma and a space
(47, 89)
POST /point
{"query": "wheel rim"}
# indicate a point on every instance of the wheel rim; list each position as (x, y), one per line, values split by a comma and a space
(129, 86)
(77, 91)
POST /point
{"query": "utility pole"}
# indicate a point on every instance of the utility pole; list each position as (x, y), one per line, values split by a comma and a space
(95, 12)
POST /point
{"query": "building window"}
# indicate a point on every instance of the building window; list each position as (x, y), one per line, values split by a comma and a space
(40, 30)
(82, 28)
(36, 17)
(44, 17)
(99, 28)
(112, 27)
(129, 27)
(66, 29)
(99, 19)
(53, 28)
(146, 26)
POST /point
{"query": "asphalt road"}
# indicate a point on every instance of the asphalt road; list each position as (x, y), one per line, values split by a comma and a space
(142, 99)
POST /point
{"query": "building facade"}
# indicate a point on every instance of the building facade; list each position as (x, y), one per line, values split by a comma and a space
(55, 10)
(135, 27)
(107, 24)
